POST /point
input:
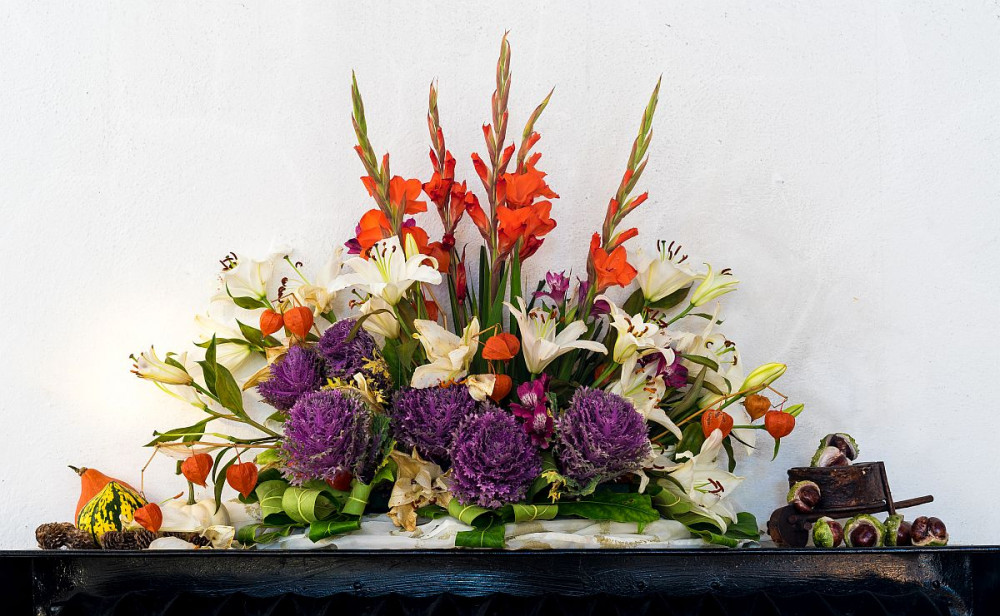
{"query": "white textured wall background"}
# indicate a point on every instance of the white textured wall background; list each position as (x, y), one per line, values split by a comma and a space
(841, 157)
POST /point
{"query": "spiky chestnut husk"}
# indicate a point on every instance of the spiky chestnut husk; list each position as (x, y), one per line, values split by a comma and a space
(928, 532)
(804, 495)
(897, 531)
(827, 533)
(844, 442)
(864, 531)
(827, 456)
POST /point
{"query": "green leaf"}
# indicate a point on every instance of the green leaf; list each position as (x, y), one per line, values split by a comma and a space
(359, 321)
(260, 533)
(702, 360)
(634, 303)
(744, 528)
(197, 429)
(467, 514)
(777, 445)
(270, 493)
(691, 438)
(357, 500)
(209, 365)
(337, 526)
(432, 511)
(691, 398)
(249, 303)
(270, 474)
(219, 478)
(668, 302)
(489, 536)
(727, 444)
(230, 394)
(306, 505)
(614, 506)
(528, 513)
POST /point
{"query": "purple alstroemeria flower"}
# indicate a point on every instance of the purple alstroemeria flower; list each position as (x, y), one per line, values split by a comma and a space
(534, 410)
(581, 290)
(558, 283)
(674, 374)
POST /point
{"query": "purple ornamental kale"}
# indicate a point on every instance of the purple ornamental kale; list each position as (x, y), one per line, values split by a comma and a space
(327, 431)
(600, 437)
(300, 371)
(534, 409)
(558, 287)
(428, 418)
(345, 359)
(492, 460)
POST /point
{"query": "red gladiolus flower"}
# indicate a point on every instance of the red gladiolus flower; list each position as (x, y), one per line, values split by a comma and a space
(611, 269)
(521, 189)
(402, 193)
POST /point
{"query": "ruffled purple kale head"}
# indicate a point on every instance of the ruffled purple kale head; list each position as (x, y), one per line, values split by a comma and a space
(327, 431)
(428, 418)
(600, 436)
(345, 359)
(492, 460)
(300, 371)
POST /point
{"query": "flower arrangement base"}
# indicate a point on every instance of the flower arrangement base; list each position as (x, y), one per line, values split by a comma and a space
(914, 581)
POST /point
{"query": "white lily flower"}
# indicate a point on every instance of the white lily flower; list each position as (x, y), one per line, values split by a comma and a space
(713, 286)
(644, 389)
(634, 334)
(246, 277)
(663, 273)
(449, 356)
(540, 344)
(319, 293)
(149, 366)
(700, 480)
(232, 355)
(384, 324)
(387, 272)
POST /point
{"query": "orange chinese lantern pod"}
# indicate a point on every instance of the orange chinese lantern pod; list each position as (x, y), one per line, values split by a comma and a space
(779, 423)
(501, 387)
(149, 517)
(299, 320)
(501, 347)
(756, 405)
(715, 419)
(242, 478)
(270, 322)
(196, 468)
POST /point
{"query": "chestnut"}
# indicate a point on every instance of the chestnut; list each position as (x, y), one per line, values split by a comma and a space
(926, 531)
(804, 496)
(830, 456)
(863, 531)
(897, 531)
(827, 533)
(844, 442)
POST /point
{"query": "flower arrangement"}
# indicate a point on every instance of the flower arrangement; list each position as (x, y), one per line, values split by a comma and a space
(514, 402)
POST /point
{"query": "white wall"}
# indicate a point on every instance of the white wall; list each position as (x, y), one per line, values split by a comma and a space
(841, 157)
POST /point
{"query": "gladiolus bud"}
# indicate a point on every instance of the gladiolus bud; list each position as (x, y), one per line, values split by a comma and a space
(149, 517)
(196, 468)
(779, 423)
(242, 477)
(270, 322)
(763, 376)
(714, 419)
(299, 320)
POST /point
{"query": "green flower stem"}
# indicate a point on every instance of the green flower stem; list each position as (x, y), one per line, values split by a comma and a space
(749, 427)
(607, 372)
(681, 315)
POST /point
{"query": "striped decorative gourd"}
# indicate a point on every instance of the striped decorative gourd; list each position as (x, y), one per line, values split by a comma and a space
(103, 503)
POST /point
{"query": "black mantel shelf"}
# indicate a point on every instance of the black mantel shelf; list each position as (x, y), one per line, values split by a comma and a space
(911, 581)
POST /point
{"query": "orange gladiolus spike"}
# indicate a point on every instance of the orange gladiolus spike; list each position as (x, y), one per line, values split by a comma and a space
(611, 269)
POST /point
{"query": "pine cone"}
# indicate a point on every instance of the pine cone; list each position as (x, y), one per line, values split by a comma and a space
(127, 539)
(53, 535)
(192, 538)
(80, 540)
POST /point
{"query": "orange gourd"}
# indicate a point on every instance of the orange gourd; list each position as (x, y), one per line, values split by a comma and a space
(92, 481)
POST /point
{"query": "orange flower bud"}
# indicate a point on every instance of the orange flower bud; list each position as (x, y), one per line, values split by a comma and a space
(779, 423)
(270, 322)
(501, 387)
(756, 405)
(196, 468)
(502, 346)
(299, 320)
(149, 517)
(715, 419)
(242, 477)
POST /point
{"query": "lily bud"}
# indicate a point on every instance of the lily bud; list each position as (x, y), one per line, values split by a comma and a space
(411, 248)
(763, 376)
(713, 286)
(149, 366)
